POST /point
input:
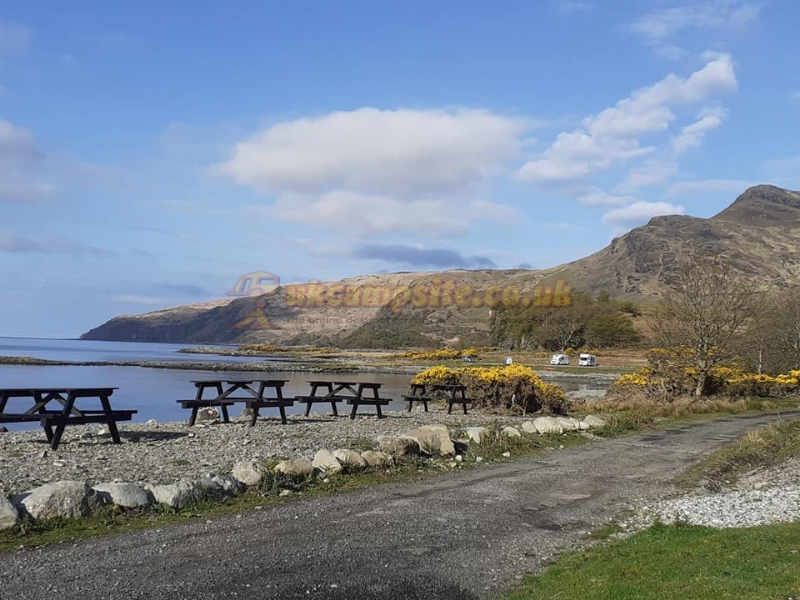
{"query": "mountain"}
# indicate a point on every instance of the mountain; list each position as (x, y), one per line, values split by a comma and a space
(759, 233)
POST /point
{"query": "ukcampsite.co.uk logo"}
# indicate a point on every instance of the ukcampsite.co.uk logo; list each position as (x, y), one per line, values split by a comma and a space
(438, 293)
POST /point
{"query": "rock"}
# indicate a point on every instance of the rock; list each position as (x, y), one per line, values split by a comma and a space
(510, 432)
(529, 427)
(568, 423)
(594, 421)
(397, 446)
(324, 460)
(376, 459)
(228, 484)
(218, 487)
(300, 467)
(249, 472)
(8, 514)
(477, 434)
(151, 422)
(126, 495)
(432, 440)
(547, 425)
(350, 458)
(177, 495)
(507, 454)
(583, 425)
(207, 414)
(60, 499)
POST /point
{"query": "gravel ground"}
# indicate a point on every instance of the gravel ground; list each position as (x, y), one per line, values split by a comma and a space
(464, 535)
(166, 452)
(761, 498)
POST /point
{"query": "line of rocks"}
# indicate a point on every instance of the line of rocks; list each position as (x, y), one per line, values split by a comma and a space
(71, 499)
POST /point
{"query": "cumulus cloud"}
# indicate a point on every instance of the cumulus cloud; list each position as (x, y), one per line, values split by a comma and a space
(692, 135)
(414, 256)
(640, 212)
(381, 168)
(660, 27)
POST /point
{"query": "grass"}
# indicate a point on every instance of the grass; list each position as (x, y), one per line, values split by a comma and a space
(677, 563)
(762, 448)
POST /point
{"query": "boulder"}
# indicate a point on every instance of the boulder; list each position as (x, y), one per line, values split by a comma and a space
(376, 459)
(126, 495)
(432, 440)
(529, 427)
(60, 499)
(205, 415)
(8, 514)
(228, 484)
(299, 467)
(219, 486)
(509, 431)
(324, 460)
(568, 423)
(477, 434)
(350, 458)
(547, 425)
(594, 421)
(249, 472)
(177, 495)
(397, 446)
(583, 425)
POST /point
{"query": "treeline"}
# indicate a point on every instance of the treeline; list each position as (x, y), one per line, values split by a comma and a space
(595, 322)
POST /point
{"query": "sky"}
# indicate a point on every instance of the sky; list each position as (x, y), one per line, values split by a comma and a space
(151, 153)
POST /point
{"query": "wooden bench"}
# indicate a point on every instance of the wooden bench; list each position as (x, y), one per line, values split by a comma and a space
(376, 402)
(255, 400)
(311, 400)
(196, 405)
(446, 393)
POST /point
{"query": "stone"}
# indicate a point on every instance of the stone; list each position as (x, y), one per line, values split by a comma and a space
(507, 454)
(397, 446)
(207, 414)
(8, 514)
(350, 458)
(249, 472)
(177, 495)
(594, 421)
(583, 425)
(219, 486)
(151, 422)
(529, 427)
(432, 440)
(126, 495)
(477, 434)
(568, 423)
(299, 467)
(59, 499)
(547, 425)
(325, 461)
(376, 459)
(509, 431)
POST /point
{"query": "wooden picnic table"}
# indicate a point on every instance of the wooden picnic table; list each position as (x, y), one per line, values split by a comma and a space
(355, 393)
(54, 421)
(256, 397)
(450, 393)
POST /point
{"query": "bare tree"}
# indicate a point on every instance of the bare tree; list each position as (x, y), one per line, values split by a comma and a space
(706, 311)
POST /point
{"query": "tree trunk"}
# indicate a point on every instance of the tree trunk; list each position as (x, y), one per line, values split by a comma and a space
(701, 383)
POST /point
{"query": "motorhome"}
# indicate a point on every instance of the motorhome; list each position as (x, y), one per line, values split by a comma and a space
(587, 360)
(559, 359)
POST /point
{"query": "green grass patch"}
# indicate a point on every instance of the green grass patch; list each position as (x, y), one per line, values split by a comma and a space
(765, 447)
(677, 563)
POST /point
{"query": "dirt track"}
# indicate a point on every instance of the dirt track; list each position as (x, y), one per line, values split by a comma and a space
(458, 536)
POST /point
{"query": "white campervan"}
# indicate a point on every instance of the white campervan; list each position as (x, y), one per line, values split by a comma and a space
(587, 360)
(559, 359)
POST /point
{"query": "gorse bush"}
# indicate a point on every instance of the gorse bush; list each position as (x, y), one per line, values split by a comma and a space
(442, 354)
(508, 389)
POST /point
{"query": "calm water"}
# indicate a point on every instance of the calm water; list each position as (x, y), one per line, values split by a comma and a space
(153, 392)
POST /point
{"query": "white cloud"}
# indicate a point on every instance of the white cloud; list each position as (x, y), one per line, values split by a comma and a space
(16, 143)
(613, 136)
(692, 135)
(381, 170)
(14, 38)
(680, 188)
(660, 26)
(593, 196)
(640, 212)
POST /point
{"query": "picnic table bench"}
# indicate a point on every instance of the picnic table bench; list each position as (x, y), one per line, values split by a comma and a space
(424, 393)
(256, 398)
(55, 421)
(351, 392)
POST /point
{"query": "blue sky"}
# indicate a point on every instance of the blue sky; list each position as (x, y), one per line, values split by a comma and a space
(152, 152)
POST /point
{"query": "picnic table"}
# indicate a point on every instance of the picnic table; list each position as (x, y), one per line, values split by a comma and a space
(450, 393)
(256, 396)
(54, 421)
(355, 393)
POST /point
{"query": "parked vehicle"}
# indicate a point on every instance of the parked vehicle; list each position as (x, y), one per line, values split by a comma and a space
(587, 360)
(559, 359)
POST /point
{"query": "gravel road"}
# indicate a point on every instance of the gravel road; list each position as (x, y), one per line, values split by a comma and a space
(462, 535)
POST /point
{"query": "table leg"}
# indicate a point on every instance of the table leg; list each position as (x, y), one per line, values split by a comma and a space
(334, 409)
(254, 416)
(378, 408)
(112, 424)
(308, 406)
(283, 414)
(223, 408)
(193, 416)
(355, 408)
